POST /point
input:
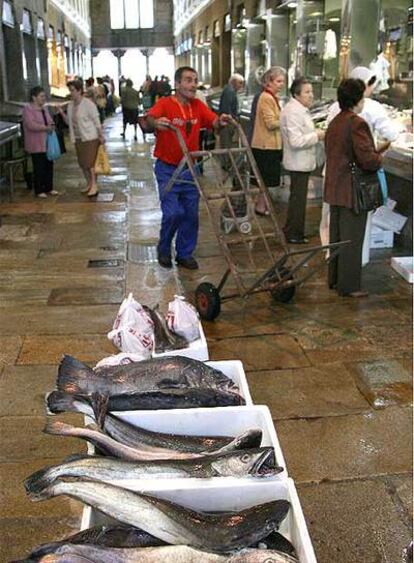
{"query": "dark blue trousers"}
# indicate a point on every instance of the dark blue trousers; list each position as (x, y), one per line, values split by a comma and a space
(179, 211)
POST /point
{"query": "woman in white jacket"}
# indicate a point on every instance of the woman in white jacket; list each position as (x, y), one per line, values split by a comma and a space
(86, 132)
(299, 155)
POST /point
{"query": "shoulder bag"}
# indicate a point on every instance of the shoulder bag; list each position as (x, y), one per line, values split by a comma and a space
(366, 189)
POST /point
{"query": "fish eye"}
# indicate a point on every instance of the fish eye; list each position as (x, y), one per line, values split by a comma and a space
(245, 458)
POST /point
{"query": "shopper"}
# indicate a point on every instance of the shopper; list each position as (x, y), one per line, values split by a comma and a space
(101, 93)
(90, 90)
(179, 205)
(381, 126)
(265, 135)
(299, 155)
(130, 102)
(348, 139)
(37, 123)
(229, 105)
(86, 132)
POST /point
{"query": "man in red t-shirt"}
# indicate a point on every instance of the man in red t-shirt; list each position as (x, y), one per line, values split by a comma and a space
(180, 205)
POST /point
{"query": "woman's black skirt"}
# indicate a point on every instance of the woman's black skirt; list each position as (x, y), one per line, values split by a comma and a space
(130, 116)
(269, 161)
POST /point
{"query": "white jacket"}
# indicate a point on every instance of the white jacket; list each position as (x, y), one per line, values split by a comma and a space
(377, 118)
(299, 137)
(89, 124)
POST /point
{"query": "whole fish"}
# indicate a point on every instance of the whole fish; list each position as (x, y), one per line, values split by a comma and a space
(136, 436)
(276, 541)
(68, 553)
(171, 522)
(242, 463)
(149, 375)
(249, 439)
(164, 339)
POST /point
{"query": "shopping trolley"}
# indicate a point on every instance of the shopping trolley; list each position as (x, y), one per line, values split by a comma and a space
(254, 248)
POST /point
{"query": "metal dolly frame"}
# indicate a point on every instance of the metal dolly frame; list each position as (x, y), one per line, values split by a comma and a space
(283, 275)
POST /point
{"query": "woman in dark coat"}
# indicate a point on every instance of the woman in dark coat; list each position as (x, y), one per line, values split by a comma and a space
(348, 139)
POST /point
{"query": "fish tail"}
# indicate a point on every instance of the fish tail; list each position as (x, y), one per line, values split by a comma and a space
(100, 408)
(58, 401)
(58, 428)
(39, 480)
(73, 376)
(42, 491)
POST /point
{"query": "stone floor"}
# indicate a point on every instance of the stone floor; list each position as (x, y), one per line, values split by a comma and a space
(335, 372)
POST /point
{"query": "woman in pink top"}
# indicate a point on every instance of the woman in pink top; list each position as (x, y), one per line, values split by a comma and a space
(37, 123)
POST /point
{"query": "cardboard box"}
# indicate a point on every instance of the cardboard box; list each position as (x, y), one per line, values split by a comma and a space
(387, 219)
(380, 238)
(234, 496)
(404, 265)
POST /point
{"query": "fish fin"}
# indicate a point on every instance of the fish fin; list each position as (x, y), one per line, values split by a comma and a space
(58, 428)
(73, 375)
(58, 401)
(43, 493)
(100, 408)
(181, 382)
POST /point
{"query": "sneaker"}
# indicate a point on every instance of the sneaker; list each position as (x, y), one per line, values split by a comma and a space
(54, 192)
(189, 263)
(42, 195)
(164, 260)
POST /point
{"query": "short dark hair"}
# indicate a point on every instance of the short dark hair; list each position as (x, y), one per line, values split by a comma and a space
(297, 85)
(350, 92)
(179, 72)
(35, 91)
(129, 82)
(77, 84)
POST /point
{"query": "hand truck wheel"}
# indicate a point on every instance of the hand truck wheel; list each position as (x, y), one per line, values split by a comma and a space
(285, 294)
(246, 228)
(207, 300)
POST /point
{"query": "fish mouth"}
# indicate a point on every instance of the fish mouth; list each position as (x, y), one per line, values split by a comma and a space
(266, 465)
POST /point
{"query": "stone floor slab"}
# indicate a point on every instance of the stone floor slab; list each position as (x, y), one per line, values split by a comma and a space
(308, 392)
(32, 443)
(20, 535)
(86, 348)
(402, 488)
(15, 383)
(383, 383)
(86, 296)
(261, 352)
(10, 349)
(347, 447)
(354, 522)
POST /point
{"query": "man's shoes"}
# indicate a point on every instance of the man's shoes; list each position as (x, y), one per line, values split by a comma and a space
(42, 195)
(293, 240)
(54, 192)
(189, 263)
(164, 260)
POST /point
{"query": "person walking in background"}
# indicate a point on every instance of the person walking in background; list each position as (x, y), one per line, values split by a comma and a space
(299, 138)
(90, 90)
(348, 139)
(179, 205)
(229, 105)
(265, 135)
(37, 123)
(130, 102)
(85, 132)
(101, 98)
(154, 90)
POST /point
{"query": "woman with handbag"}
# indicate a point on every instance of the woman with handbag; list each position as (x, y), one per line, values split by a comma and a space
(86, 132)
(37, 124)
(350, 156)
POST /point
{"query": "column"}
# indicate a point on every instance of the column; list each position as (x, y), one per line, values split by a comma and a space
(119, 53)
(147, 53)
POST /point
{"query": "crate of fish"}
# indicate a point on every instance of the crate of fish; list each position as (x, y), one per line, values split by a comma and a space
(197, 349)
(240, 522)
(169, 382)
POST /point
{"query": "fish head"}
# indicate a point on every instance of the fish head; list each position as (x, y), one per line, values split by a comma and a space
(255, 462)
(252, 438)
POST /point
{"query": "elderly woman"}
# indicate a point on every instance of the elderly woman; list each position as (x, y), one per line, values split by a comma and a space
(37, 123)
(348, 139)
(265, 138)
(86, 132)
(299, 155)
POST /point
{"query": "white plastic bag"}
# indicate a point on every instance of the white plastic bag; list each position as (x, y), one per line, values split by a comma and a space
(130, 313)
(119, 360)
(182, 318)
(133, 329)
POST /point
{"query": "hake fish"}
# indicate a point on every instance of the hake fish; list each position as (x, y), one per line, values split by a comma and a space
(68, 553)
(164, 338)
(149, 375)
(250, 439)
(171, 522)
(258, 462)
(135, 436)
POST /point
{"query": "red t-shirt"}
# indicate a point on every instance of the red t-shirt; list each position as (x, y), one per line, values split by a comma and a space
(167, 147)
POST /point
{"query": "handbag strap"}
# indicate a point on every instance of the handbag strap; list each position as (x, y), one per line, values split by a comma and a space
(44, 117)
(352, 160)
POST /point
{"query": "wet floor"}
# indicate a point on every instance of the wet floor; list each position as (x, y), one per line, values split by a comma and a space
(336, 373)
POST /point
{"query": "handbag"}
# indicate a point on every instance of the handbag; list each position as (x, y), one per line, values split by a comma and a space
(52, 146)
(366, 189)
(102, 165)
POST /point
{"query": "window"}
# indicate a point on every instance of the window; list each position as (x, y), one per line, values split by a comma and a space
(41, 29)
(7, 15)
(27, 22)
(132, 14)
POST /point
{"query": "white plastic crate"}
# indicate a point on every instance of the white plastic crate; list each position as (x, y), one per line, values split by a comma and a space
(233, 496)
(387, 219)
(404, 265)
(197, 350)
(235, 371)
(380, 238)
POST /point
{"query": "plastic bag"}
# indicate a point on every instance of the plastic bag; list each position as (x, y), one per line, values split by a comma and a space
(182, 318)
(53, 147)
(121, 359)
(102, 165)
(133, 329)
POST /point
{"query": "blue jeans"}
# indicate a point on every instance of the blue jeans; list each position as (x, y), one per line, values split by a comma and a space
(179, 211)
